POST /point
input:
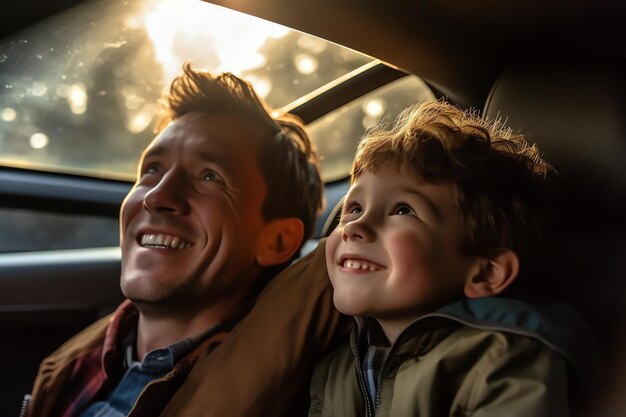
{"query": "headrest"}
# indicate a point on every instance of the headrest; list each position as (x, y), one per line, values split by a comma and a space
(576, 114)
(334, 216)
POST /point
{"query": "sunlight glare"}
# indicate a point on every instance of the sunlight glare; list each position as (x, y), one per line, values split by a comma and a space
(39, 141)
(76, 96)
(9, 114)
(211, 37)
(262, 85)
(374, 107)
(305, 64)
(139, 122)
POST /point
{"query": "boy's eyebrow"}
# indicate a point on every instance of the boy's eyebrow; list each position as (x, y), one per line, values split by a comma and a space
(431, 205)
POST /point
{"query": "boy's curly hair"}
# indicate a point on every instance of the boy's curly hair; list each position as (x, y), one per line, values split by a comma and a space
(288, 160)
(500, 179)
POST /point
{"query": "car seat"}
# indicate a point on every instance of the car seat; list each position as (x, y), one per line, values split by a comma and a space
(575, 111)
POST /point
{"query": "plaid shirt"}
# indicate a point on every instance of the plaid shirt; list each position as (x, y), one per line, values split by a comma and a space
(374, 359)
(138, 374)
(97, 372)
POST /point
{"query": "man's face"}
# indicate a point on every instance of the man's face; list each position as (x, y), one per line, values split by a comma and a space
(191, 226)
(394, 256)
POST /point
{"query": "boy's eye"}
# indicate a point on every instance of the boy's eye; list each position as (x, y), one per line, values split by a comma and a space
(352, 207)
(403, 210)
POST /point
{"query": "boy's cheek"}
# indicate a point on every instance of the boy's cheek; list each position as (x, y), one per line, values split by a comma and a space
(332, 243)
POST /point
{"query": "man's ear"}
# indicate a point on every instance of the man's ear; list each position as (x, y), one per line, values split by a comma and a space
(493, 275)
(281, 239)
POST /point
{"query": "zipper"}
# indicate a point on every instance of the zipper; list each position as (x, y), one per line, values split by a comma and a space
(359, 370)
(387, 364)
(435, 315)
(379, 378)
(25, 403)
(410, 331)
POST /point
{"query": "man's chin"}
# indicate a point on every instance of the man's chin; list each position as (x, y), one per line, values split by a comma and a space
(165, 303)
(157, 306)
(140, 297)
(147, 302)
(140, 288)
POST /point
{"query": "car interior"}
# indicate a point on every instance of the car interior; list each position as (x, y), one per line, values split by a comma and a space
(554, 71)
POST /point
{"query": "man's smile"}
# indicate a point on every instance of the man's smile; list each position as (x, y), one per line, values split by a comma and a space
(151, 240)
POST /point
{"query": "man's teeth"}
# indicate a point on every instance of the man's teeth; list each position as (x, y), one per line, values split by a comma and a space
(164, 241)
(352, 264)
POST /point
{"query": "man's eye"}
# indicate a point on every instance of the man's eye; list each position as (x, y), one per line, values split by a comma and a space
(212, 176)
(151, 169)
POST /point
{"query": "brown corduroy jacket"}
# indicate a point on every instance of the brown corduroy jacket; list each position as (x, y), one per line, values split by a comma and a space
(260, 368)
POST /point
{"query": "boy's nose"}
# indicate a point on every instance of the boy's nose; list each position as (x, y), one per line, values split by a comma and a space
(168, 196)
(358, 230)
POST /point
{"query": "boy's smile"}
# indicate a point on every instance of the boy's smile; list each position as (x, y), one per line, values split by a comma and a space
(395, 254)
(357, 264)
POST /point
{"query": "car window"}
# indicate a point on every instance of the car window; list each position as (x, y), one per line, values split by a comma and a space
(337, 134)
(78, 94)
(78, 91)
(27, 230)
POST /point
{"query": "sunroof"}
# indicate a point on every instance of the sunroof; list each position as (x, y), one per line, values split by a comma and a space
(78, 91)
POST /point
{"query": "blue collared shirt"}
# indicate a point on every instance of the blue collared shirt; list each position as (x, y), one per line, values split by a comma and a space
(155, 364)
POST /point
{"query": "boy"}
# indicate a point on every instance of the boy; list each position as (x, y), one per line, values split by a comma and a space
(445, 212)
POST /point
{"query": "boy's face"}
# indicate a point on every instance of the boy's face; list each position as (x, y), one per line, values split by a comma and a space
(191, 225)
(394, 256)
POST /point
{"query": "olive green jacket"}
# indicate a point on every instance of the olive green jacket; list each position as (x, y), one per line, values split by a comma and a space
(481, 357)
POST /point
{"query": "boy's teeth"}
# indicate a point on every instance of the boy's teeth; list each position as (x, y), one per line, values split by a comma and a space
(164, 241)
(352, 264)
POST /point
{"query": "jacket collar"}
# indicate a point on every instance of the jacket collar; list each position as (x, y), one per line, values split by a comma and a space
(558, 326)
(121, 323)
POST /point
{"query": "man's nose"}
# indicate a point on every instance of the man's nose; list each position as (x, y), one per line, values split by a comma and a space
(359, 229)
(169, 195)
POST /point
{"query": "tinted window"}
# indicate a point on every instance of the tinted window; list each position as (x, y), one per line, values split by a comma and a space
(25, 230)
(78, 91)
(338, 133)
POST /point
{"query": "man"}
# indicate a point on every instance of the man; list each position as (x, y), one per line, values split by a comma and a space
(225, 196)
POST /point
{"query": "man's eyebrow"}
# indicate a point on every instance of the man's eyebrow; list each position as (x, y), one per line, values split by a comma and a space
(217, 159)
(429, 203)
(220, 160)
(155, 151)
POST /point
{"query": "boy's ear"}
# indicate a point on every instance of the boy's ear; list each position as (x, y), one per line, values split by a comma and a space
(494, 275)
(280, 240)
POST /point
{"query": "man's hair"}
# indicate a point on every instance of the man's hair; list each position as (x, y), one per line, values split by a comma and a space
(287, 159)
(500, 179)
